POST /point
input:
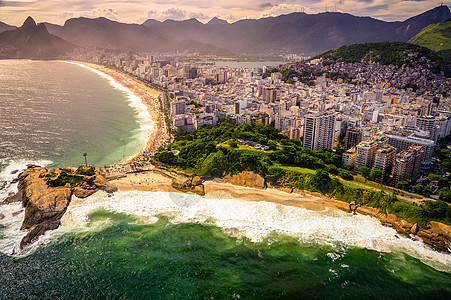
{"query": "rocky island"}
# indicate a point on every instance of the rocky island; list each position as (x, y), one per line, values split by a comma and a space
(45, 195)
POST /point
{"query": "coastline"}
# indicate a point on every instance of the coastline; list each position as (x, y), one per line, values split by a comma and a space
(437, 235)
(156, 133)
(153, 180)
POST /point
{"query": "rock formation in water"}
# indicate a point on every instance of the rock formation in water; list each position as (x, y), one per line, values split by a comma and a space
(46, 195)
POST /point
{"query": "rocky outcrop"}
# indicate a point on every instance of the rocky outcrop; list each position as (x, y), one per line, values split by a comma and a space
(437, 235)
(45, 205)
(187, 184)
(246, 178)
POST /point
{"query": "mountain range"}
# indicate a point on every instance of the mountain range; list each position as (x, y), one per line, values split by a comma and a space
(292, 33)
(32, 41)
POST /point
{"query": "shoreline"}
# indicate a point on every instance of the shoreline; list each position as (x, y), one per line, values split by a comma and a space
(149, 97)
(437, 235)
(152, 180)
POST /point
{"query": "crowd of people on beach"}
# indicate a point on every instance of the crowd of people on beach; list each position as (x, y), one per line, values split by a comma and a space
(150, 97)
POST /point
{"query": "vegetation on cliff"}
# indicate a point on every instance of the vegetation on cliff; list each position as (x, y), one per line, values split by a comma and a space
(436, 37)
(207, 152)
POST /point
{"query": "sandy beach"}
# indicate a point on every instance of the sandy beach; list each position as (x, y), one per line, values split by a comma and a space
(152, 181)
(150, 97)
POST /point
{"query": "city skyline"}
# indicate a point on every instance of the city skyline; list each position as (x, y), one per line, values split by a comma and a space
(13, 12)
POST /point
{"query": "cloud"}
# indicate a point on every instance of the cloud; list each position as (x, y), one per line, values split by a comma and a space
(199, 16)
(16, 3)
(173, 13)
(66, 15)
(108, 13)
(281, 9)
(265, 5)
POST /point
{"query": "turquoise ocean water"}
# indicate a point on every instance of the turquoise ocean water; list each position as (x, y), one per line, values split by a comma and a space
(156, 245)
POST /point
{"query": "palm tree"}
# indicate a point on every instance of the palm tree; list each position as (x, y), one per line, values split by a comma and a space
(86, 160)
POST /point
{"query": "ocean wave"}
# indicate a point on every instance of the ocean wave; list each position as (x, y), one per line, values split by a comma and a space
(11, 171)
(256, 221)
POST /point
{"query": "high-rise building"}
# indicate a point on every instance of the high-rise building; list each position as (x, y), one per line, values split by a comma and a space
(425, 123)
(269, 95)
(262, 118)
(402, 143)
(192, 73)
(319, 131)
(418, 152)
(404, 163)
(408, 162)
(178, 107)
(353, 138)
(366, 152)
(384, 160)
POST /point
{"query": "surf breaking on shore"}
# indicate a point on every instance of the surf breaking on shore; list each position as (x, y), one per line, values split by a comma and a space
(144, 100)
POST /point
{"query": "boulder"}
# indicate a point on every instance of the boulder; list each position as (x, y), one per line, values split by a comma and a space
(196, 181)
(405, 225)
(184, 184)
(83, 193)
(414, 229)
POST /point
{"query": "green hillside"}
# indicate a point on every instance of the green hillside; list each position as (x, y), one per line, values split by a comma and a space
(435, 36)
(387, 53)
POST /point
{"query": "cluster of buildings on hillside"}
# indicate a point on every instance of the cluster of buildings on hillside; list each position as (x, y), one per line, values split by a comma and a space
(392, 129)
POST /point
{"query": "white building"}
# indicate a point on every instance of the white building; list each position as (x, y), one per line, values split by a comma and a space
(319, 131)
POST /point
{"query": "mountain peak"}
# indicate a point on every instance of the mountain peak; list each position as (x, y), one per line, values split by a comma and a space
(29, 23)
(217, 21)
(150, 22)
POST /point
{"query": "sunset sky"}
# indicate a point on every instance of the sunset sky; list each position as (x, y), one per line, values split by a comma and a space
(14, 12)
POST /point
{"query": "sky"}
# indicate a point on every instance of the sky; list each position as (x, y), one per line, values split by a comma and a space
(14, 12)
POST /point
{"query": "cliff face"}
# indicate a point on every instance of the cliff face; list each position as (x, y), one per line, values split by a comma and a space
(45, 205)
(246, 178)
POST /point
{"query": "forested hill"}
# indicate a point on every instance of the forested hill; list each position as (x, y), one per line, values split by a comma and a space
(436, 36)
(389, 53)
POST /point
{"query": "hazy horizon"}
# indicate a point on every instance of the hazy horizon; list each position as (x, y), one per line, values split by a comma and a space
(14, 12)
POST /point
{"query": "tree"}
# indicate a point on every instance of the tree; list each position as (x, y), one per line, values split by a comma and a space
(321, 177)
(427, 190)
(365, 171)
(347, 166)
(443, 182)
(445, 194)
(345, 174)
(376, 174)
(233, 143)
(418, 189)
(332, 169)
(433, 177)
(403, 185)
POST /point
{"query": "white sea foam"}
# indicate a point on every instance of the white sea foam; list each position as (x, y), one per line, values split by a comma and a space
(256, 220)
(12, 170)
(143, 115)
(13, 214)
